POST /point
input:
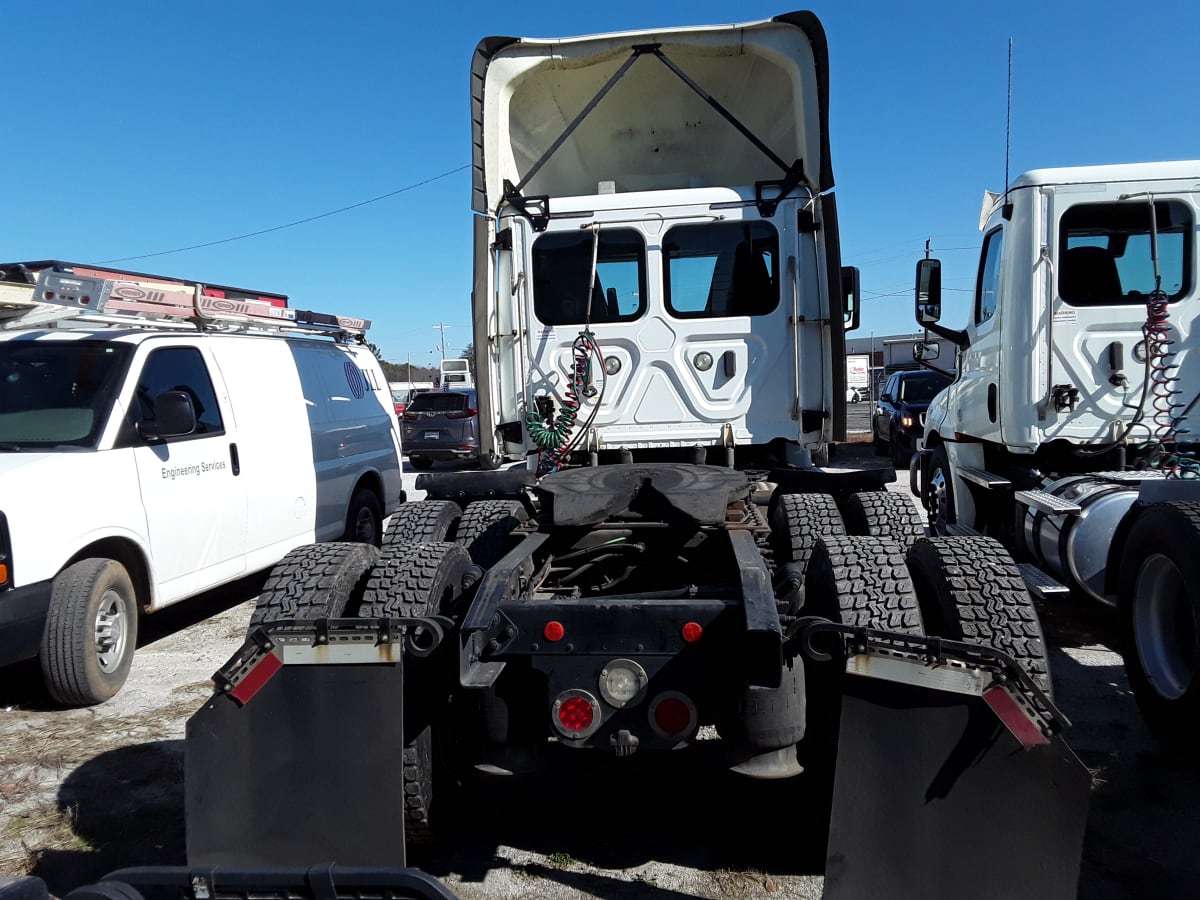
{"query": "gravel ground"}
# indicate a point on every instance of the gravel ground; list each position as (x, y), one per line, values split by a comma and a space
(88, 790)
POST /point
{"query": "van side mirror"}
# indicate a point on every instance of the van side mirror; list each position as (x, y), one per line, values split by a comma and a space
(174, 416)
(850, 293)
(929, 291)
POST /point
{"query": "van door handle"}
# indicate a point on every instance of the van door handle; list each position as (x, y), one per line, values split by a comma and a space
(234, 462)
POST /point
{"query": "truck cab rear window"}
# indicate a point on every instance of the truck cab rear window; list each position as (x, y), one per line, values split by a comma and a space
(722, 269)
(1106, 257)
(562, 264)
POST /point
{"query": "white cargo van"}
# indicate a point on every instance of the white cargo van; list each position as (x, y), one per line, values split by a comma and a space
(181, 439)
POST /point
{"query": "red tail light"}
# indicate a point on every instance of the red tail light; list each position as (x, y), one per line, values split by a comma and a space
(673, 716)
(576, 714)
(410, 416)
(462, 414)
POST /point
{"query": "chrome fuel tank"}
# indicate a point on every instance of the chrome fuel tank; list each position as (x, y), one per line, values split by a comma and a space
(1075, 547)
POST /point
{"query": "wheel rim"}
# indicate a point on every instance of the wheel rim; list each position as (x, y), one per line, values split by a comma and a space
(938, 500)
(364, 526)
(111, 631)
(1164, 627)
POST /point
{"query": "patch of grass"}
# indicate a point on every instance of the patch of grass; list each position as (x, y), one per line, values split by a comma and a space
(561, 860)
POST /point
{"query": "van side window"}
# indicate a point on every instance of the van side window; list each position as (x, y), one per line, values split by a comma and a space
(987, 288)
(721, 269)
(179, 369)
(562, 263)
(1106, 257)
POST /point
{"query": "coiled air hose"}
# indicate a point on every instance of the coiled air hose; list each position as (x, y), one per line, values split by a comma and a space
(554, 439)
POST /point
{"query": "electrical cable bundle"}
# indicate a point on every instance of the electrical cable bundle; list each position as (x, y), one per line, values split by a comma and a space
(555, 439)
(1163, 373)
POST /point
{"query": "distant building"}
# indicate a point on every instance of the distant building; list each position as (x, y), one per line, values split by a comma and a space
(894, 353)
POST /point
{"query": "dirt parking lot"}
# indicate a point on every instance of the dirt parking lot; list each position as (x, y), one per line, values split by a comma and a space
(84, 791)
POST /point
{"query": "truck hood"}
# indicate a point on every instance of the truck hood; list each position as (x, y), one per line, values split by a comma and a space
(643, 134)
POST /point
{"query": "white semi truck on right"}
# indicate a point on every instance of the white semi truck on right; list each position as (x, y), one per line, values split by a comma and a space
(1070, 431)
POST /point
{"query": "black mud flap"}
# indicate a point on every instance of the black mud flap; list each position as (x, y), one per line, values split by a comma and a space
(935, 797)
(296, 759)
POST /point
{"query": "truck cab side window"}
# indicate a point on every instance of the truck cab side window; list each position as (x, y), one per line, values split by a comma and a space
(179, 369)
(987, 288)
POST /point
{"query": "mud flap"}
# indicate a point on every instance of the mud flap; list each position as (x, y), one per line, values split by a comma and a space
(934, 797)
(298, 763)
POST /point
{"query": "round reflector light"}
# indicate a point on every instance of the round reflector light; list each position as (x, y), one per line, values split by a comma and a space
(554, 631)
(703, 361)
(692, 632)
(612, 365)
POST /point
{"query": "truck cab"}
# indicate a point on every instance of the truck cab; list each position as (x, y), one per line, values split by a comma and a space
(658, 301)
(1081, 322)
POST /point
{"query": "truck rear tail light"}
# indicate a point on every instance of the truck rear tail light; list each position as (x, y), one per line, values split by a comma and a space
(622, 681)
(553, 631)
(691, 632)
(462, 413)
(576, 714)
(673, 715)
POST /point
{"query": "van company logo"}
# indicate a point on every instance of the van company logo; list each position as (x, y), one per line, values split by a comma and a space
(354, 378)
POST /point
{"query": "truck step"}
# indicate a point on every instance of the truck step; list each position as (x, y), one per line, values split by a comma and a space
(1040, 584)
(1048, 503)
(983, 477)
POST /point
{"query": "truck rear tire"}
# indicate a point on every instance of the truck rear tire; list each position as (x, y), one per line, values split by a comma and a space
(798, 521)
(862, 581)
(1159, 601)
(364, 520)
(884, 514)
(421, 521)
(410, 581)
(486, 529)
(316, 581)
(91, 632)
(970, 590)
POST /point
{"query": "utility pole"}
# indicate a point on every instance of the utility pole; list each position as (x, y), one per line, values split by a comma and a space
(442, 326)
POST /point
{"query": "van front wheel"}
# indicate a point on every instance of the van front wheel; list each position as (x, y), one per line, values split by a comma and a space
(364, 521)
(91, 632)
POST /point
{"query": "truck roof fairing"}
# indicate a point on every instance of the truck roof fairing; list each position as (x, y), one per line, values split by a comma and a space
(651, 131)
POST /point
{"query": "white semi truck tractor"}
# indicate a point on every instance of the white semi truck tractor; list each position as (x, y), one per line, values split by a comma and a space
(1070, 432)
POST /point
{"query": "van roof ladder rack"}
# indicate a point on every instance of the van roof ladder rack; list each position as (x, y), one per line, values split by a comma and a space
(65, 291)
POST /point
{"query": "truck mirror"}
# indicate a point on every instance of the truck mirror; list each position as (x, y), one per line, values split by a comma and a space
(850, 290)
(929, 291)
(927, 350)
(174, 416)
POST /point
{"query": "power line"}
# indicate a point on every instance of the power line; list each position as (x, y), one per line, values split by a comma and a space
(324, 215)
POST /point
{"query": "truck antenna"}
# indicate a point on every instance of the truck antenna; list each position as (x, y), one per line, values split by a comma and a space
(1008, 133)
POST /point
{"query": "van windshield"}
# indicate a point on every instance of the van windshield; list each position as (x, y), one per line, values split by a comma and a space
(56, 393)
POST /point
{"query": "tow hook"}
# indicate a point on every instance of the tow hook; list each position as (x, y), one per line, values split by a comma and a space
(624, 742)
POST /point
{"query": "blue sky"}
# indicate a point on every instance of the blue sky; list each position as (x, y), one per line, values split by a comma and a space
(139, 127)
